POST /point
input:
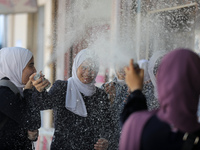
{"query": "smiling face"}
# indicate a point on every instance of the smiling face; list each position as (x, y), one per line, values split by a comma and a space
(28, 71)
(87, 71)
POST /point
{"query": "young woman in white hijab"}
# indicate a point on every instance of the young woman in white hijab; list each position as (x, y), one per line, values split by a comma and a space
(81, 110)
(18, 125)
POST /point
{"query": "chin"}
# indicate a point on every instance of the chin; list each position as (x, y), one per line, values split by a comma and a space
(86, 82)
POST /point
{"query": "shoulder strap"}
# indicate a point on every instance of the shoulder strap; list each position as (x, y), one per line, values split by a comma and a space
(9, 84)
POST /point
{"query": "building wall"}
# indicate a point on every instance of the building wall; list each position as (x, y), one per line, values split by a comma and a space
(74, 32)
(44, 45)
(17, 30)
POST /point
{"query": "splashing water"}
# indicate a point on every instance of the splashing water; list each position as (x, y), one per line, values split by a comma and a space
(120, 30)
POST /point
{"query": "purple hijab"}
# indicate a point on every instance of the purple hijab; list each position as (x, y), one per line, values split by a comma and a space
(178, 82)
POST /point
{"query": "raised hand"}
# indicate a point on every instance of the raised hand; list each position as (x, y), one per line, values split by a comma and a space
(101, 144)
(134, 77)
(40, 83)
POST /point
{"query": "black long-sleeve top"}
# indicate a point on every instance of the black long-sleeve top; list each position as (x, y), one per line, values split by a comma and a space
(16, 118)
(136, 101)
(73, 132)
(156, 134)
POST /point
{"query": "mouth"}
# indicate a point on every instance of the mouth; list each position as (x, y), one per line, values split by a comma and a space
(87, 79)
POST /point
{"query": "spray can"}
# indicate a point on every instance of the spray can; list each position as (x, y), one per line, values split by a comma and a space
(136, 66)
(37, 76)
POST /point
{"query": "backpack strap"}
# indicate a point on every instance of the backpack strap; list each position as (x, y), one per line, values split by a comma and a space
(9, 84)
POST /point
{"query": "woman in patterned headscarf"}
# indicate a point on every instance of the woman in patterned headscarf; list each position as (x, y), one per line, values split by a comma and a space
(174, 126)
(117, 91)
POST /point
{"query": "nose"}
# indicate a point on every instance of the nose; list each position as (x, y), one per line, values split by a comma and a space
(34, 70)
(88, 72)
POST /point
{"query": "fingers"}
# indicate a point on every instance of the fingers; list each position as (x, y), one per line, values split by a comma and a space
(126, 69)
(110, 88)
(102, 140)
(41, 73)
(141, 73)
(29, 82)
(37, 82)
(40, 84)
(32, 77)
(32, 135)
(101, 146)
(131, 63)
(134, 76)
(108, 85)
(28, 85)
(45, 83)
(131, 66)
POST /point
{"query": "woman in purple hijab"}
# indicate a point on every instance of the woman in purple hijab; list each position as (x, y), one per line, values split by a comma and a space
(174, 126)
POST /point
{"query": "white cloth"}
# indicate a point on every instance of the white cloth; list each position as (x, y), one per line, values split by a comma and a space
(13, 60)
(143, 63)
(121, 82)
(74, 101)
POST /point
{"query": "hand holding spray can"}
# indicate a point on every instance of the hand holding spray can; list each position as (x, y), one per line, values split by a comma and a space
(136, 66)
(37, 76)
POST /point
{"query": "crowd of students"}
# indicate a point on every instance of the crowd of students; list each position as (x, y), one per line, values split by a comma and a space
(150, 107)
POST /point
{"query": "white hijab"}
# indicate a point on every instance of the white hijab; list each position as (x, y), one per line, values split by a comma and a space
(74, 101)
(121, 82)
(152, 64)
(13, 60)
